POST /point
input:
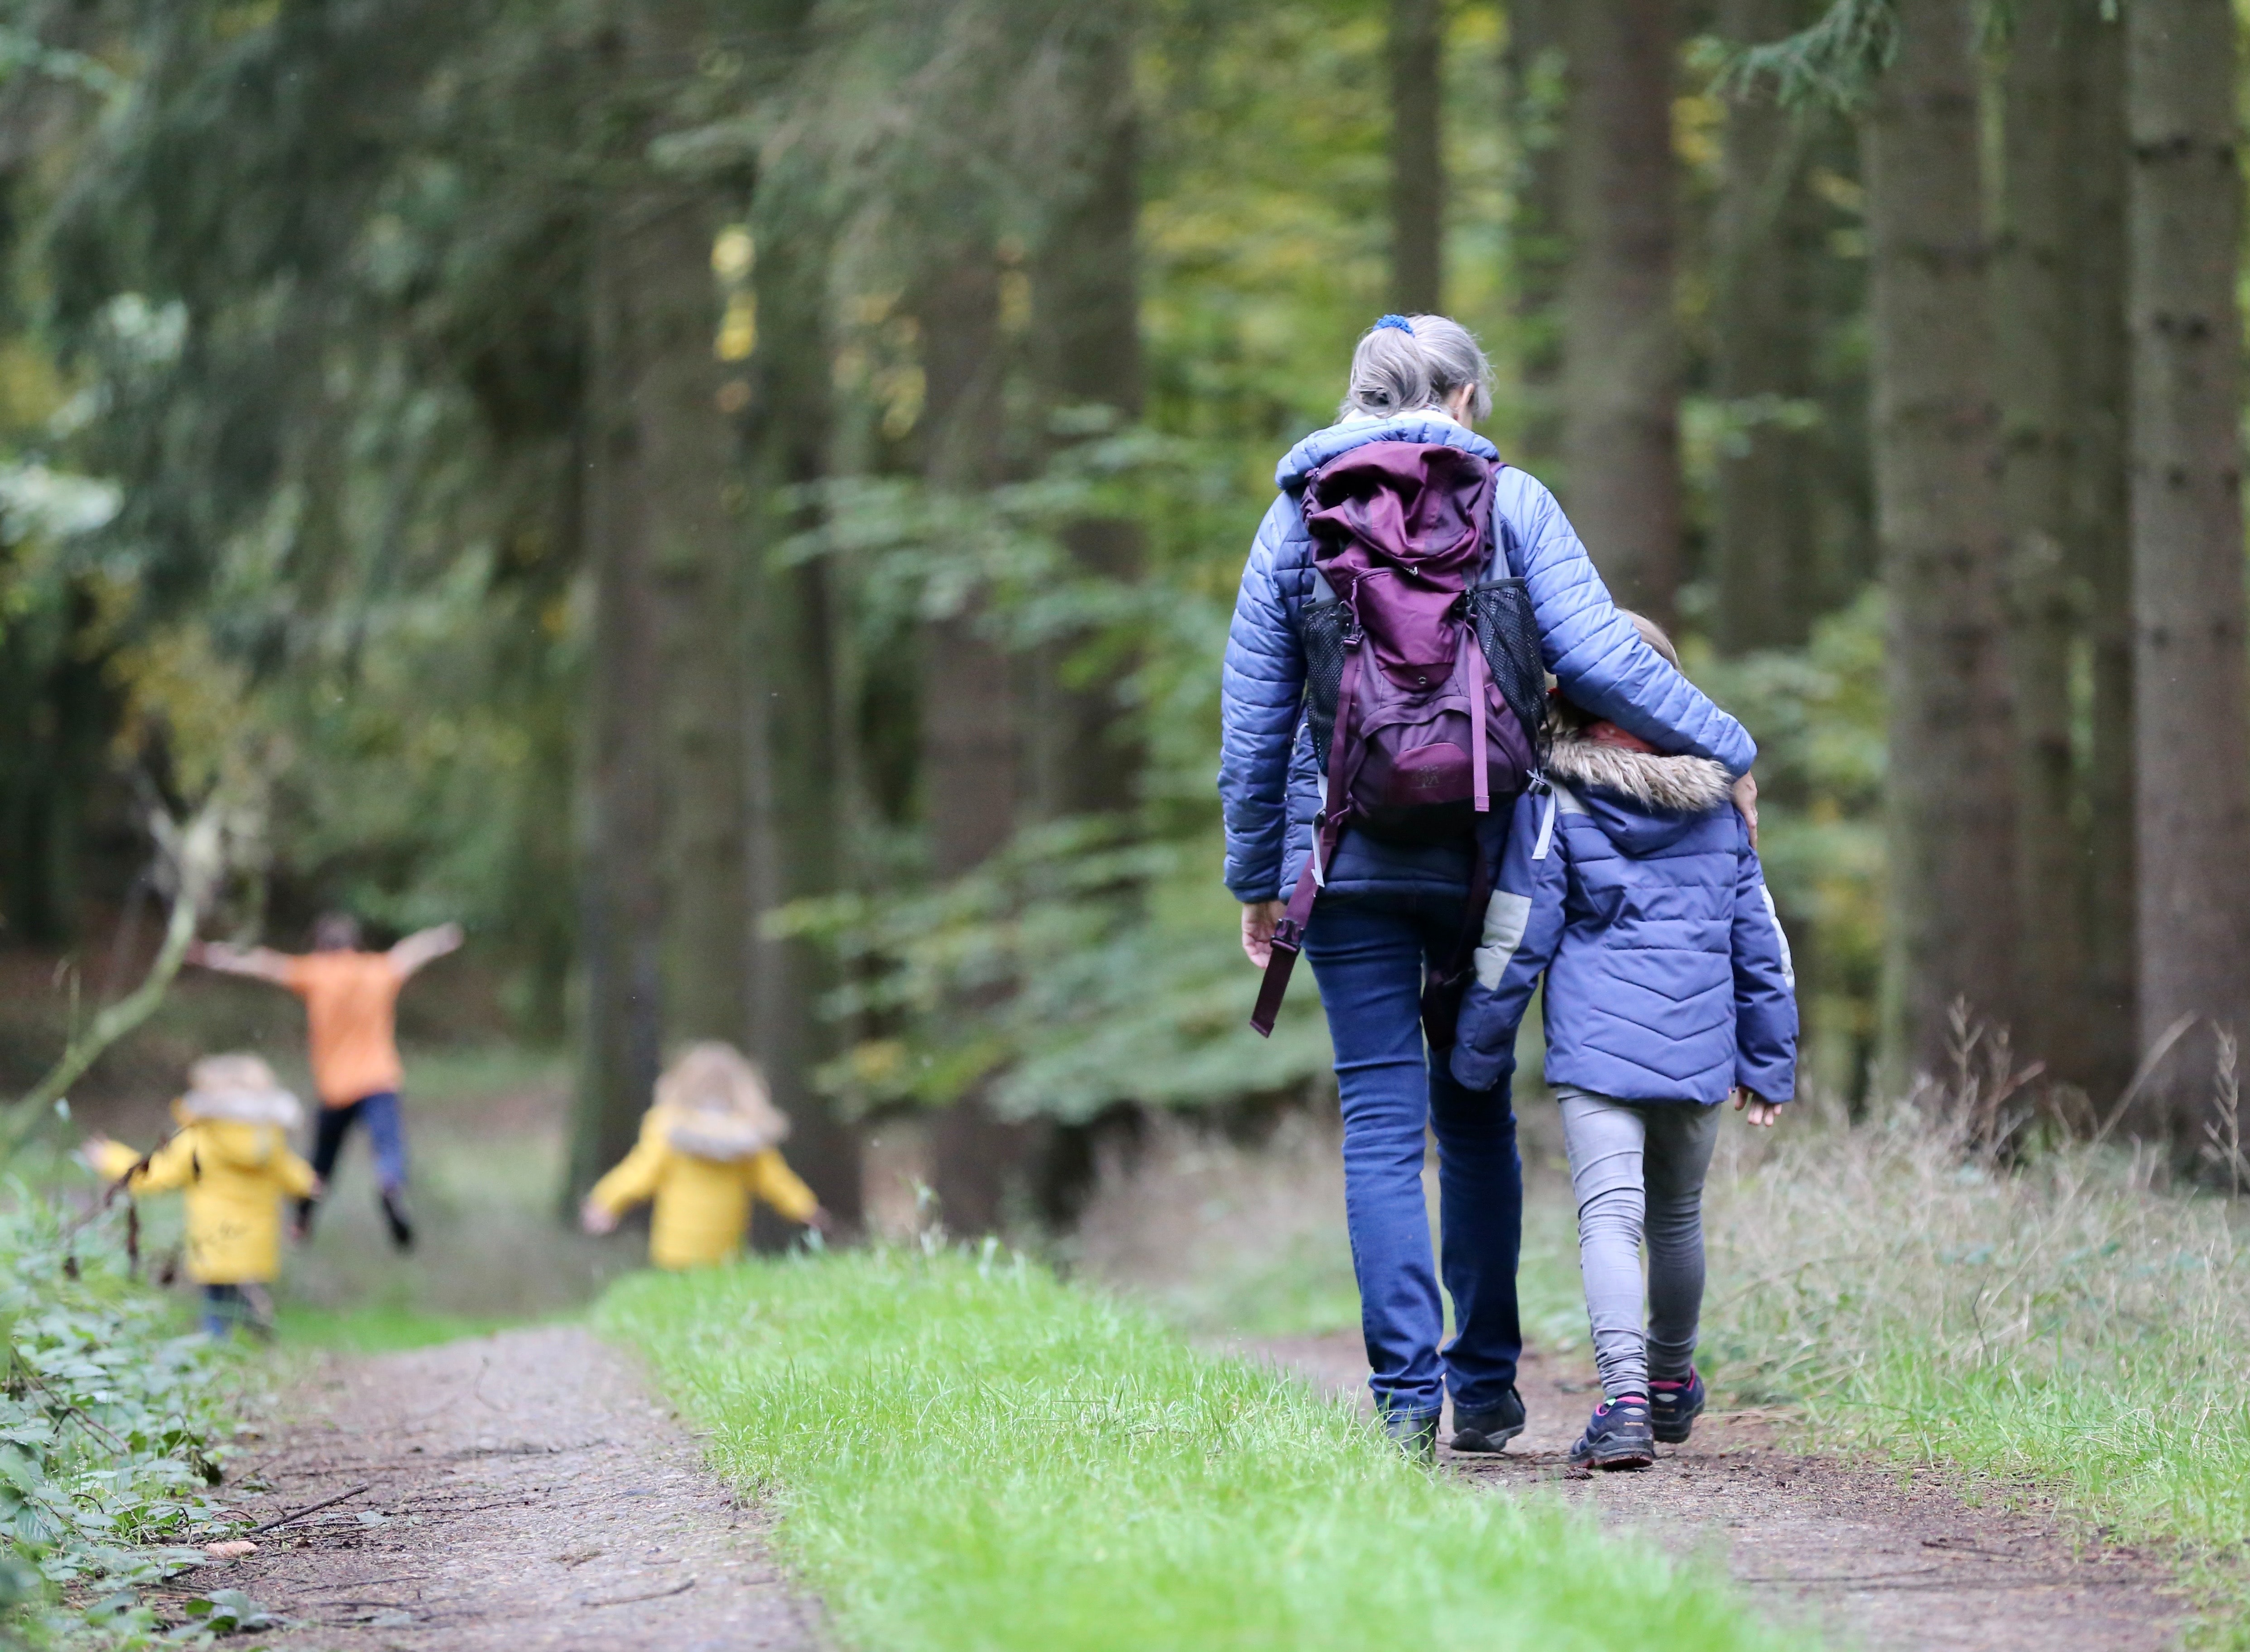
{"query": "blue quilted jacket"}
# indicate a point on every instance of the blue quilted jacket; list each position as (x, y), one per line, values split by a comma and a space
(1267, 780)
(1634, 888)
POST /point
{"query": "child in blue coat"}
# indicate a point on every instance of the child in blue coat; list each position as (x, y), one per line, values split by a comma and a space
(1631, 884)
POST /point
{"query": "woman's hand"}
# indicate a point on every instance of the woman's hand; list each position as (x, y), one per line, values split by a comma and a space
(1756, 1111)
(597, 1220)
(1260, 919)
(1746, 804)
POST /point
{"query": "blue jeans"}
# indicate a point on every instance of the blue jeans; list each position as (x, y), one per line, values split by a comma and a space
(1368, 953)
(386, 1133)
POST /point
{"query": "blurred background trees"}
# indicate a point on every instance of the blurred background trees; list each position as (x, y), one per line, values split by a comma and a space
(739, 500)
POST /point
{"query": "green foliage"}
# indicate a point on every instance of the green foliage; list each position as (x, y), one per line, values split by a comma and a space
(111, 1430)
(1836, 61)
(965, 1453)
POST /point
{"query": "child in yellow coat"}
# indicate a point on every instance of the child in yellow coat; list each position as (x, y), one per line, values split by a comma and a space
(708, 1148)
(232, 1155)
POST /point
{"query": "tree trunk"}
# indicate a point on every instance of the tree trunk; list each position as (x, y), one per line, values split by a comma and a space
(2101, 541)
(622, 894)
(1767, 540)
(970, 779)
(1417, 160)
(1085, 304)
(2194, 768)
(1943, 545)
(1621, 348)
(2035, 306)
(1535, 74)
(796, 727)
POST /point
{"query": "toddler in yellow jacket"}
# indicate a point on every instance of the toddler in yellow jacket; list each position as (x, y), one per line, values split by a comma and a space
(707, 1149)
(230, 1152)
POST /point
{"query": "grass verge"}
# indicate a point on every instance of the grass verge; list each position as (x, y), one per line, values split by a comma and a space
(2062, 1324)
(970, 1454)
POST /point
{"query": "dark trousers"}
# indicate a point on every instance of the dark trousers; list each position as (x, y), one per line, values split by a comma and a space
(1368, 954)
(386, 1132)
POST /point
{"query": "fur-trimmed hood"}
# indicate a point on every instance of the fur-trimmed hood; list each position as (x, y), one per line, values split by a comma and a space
(237, 1090)
(714, 1105)
(1674, 785)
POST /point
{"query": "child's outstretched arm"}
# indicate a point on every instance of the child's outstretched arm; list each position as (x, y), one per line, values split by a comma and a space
(171, 1165)
(772, 1181)
(257, 963)
(631, 1182)
(1766, 993)
(1523, 924)
(425, 947)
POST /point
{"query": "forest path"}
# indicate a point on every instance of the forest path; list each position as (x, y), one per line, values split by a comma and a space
(1878, 1558)
(524, 1491)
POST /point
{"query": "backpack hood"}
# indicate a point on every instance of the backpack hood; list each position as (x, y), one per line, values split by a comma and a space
(1428, 426)
(1644, 801)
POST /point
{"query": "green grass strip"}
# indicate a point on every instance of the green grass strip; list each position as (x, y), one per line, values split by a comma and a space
(969, 1456)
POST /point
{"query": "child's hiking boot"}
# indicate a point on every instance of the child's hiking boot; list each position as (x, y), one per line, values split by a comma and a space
(1415, 1433)
(394, 1213)
(1491, 1428)
(300, 1227)
(1616, 1436)
(1673, 1406)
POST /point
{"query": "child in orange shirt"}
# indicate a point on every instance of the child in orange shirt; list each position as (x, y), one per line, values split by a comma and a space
(351, 1000)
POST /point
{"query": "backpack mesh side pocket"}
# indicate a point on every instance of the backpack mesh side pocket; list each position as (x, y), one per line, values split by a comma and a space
(1506, 628)
(1323, 626)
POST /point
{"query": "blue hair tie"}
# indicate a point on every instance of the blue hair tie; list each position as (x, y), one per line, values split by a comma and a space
(1398, 321)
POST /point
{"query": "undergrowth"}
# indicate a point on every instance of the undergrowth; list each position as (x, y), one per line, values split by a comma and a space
(112, 1425)
(2064, 1323)
(970, 1454)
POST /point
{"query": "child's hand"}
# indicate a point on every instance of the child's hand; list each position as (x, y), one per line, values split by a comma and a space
(91, 1148)
(821, 1220)
(597, 1220)
(1755, 1111)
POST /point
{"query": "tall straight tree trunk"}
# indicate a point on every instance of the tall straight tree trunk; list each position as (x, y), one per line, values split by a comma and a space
(2035, 306)
(1767, 539)
(1535, 72)
(1621, 347)
(2194, 770)
(622, 892)
(971, 780)
(1086, 299)
(1951, 930)
(1418, 159)
(2102, 541)
(795, 728)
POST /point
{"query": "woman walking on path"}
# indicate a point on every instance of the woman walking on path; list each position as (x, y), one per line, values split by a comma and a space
(1389, 912)
(351, 1003)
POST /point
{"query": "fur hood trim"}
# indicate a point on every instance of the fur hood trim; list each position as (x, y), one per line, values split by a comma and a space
(722, 1136)
(716, 1105)
(1676, 785)
(276, 1107)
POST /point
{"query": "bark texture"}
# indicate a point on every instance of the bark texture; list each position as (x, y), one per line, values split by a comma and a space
(2194, 750)
(2102, 541)
(1087, 321)
(2036, 304)
(1768, 245)
(1418, 160)
(1621, 351)
(1535, 72)
(1944, 542)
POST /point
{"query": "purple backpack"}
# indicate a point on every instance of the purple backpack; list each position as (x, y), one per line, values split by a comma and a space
(1424, 684)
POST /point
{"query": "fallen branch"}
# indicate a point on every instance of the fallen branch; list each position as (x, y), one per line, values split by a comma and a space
(634, 1599)
(311, 1508)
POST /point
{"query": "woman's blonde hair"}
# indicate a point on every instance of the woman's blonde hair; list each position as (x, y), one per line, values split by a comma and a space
(1407, 362)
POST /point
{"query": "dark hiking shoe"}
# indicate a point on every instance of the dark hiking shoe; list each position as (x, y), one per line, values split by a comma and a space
(1674, 1407)
(1616, 1436)
(1489, 1429)
(1415, 1433)
(301, 1229)
(394, 1213)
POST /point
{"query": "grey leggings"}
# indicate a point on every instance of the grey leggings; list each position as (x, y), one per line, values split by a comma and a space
(1637, 1167)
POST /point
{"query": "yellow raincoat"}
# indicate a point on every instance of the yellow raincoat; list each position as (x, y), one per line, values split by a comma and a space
(702, 1205)
(236, 1175)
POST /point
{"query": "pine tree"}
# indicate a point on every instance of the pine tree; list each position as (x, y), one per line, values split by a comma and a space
(2193, 813)
(1536, 81)
(1418, 159)
(1621, 349)
(1951, 924)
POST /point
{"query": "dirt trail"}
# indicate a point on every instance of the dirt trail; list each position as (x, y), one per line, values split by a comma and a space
(523, 1492)
(1878, 1558)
